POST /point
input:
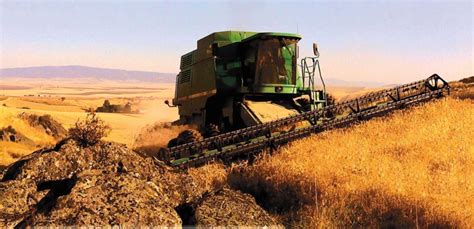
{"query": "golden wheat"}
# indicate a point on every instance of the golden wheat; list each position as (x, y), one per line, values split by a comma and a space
(156, 136)
(413, 168)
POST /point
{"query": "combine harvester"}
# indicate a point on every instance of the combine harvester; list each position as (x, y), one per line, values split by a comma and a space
(245, 92)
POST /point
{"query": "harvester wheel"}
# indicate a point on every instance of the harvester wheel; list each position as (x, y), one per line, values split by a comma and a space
(188, 136)
(173, 142)
(304, 103)
(211, 130)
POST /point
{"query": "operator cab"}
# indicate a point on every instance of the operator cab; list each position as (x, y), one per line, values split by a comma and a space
(269, 60)
(269, 63)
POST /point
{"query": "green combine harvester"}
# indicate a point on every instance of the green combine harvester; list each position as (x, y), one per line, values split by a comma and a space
(247, 91)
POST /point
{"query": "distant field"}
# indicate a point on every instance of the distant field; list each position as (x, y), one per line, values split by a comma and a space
(66, 104)
(99, 91)
(13, 87)
(70, 109)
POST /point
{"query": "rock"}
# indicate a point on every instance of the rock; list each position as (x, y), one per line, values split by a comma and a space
(69, 158)
(105, 198)
(232, 208)
(17, 199)
(103, 184)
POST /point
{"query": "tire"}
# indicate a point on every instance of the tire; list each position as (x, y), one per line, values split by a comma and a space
(189, 136)
(172, 143)
(304, 103)
(211, 130)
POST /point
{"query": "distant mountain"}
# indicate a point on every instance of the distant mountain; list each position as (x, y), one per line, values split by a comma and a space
(76, 72)
(80, 72)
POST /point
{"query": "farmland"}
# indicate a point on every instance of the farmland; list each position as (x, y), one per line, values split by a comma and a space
(411, 168)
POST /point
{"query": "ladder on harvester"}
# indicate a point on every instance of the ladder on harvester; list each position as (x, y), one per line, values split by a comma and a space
(256, 138)
(308, 75)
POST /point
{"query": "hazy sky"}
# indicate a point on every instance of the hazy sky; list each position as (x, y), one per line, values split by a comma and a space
(384, 41)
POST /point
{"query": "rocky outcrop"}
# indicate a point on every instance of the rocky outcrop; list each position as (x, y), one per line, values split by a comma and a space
(109, 184)
(107, 198)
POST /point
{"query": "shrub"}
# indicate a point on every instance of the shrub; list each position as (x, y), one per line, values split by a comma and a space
(89, 131)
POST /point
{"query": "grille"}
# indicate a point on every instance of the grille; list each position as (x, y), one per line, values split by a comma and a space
(185, 76)
(186, 60)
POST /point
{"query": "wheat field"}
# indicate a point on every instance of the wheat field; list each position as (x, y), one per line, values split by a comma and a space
(68, 103)
(414, 168)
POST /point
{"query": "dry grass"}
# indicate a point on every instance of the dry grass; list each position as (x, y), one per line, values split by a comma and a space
(414, 168)
(12, 151)
(462, 90)
(153, 137)
(125, 127)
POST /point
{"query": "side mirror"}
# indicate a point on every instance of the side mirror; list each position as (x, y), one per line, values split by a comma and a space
(315, 50)
(297, 52)
(168, 103)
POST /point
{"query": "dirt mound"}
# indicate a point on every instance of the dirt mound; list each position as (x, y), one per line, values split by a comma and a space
(46, 123)
(109, 184)
(232, 208)
(9, 134)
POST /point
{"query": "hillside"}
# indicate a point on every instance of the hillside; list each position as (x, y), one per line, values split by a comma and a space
(80, 72)
(412, 168)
